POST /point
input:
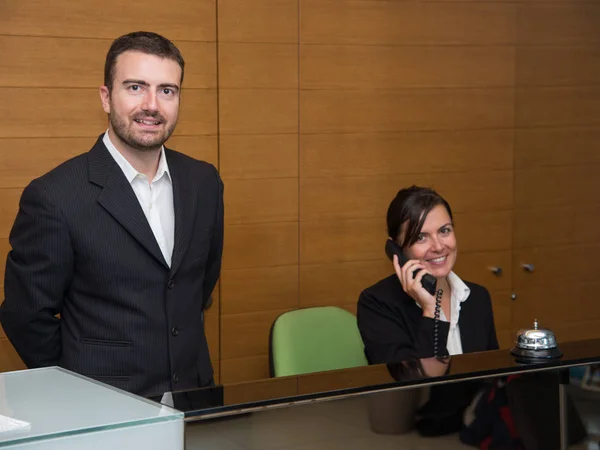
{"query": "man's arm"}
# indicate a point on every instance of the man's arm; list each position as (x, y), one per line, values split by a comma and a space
(213, 265)
(39, 269)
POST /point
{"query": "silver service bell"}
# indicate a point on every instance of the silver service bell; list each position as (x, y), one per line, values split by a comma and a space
(535, 344)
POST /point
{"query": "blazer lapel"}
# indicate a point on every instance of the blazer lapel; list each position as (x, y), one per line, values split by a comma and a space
(184, 204)
(467, 337)
(118, 198)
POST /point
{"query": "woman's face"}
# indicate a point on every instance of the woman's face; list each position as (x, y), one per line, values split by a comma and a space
(436, 246)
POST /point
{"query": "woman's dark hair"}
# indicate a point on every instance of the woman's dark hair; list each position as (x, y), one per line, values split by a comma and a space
(411, 205)
(140, 41)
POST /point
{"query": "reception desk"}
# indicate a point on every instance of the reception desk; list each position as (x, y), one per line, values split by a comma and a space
(65, 411)
(395, 381)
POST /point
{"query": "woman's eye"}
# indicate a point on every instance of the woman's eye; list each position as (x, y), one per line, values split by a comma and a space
(446, 230)
(421, 238)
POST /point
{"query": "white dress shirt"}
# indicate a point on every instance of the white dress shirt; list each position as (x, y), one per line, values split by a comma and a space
(459, 293)
(156, 197)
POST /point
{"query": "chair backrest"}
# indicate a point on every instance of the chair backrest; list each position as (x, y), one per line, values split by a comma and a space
(314, 340)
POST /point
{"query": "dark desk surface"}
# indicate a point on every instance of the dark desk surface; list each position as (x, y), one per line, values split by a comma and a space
(237, 398)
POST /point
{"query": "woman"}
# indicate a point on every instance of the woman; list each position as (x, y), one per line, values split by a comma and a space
(397, 317)
(400, 320)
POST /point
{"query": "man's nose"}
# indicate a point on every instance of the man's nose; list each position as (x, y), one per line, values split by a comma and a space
(150, 103)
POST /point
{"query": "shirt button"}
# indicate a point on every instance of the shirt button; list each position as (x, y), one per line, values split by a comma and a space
(171, 283)
(175, 378)
(174, 331)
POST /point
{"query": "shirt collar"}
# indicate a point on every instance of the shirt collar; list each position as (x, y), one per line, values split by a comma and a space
(128, 170)
(460, 291)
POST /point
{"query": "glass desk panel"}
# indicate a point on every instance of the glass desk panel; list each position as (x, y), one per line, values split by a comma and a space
(59, 403)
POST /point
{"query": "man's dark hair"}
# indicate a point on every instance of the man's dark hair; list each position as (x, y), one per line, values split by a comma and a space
(411, 205)
(140, 41)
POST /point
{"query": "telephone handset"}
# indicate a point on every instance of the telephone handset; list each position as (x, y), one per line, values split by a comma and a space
(429, 283)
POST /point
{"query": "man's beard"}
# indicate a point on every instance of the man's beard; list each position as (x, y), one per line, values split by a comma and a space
(144, 142)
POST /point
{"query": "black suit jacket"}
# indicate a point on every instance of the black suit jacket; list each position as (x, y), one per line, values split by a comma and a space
(393, 328)
(82, 248)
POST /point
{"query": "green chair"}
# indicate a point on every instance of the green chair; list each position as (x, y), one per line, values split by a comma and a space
(315, 340)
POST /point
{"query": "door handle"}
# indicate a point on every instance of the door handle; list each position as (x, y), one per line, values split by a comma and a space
(496, 271)
(528, 267)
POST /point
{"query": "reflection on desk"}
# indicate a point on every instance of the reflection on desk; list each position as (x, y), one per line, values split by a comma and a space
(236, 398)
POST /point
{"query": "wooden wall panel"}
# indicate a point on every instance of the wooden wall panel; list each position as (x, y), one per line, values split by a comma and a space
(558, 106)
(557, 186)
(255, 111)
(558, 23)
(243, 369)
(392, 67)
(259, 289)
(406, 23)
(192, 20)
(260, 245)
(258, 21)
(262, 200)
(363, 239)
(570, 223)
(258, 66)
(376, 154)
(41, 112)
(539, 147)
(355, 197)
(78, 62)
(558, 66)
(259, 156)
(336, 111)
(246, 334)
(571, 265)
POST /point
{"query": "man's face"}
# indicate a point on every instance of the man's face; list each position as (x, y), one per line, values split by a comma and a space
(144, 102)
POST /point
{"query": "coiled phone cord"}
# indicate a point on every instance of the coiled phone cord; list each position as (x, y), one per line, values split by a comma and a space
(436, 321)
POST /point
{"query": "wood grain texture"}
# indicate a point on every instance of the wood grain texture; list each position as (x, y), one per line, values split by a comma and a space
(258, 111)
(261, 200)
(406, 23)
(258, 21)
(558, 66)
(244, 335)
(569, 265)
(259, 289)
(336, 155)
(249, 368)
(23, 159)
(260, 245)
(557, 107)
(192, 20)
(78, 63)
(41, 112)
(556, 186)
(396, 67)
(535, 148)
(363, 239)
(362, 197)
(258, 66)
(558, 23)
(337, 111)
(258, 156)
(9, 360)
(557, 226)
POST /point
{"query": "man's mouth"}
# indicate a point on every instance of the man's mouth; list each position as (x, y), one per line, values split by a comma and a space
(147, 122)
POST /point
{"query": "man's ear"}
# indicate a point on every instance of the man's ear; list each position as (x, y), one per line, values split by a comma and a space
(105, 99)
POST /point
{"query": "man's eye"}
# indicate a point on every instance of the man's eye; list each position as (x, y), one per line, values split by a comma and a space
(134, 87)
(168, 91)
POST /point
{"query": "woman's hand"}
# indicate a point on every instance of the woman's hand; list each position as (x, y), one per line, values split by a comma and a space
(413, 286)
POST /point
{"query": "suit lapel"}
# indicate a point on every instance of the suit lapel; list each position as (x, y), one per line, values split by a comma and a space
(118, 198)
(467, 335)
(184, 203)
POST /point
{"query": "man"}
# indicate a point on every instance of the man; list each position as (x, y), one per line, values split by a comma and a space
(116, 252)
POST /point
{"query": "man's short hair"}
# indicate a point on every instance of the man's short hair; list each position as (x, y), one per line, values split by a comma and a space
(140, 41)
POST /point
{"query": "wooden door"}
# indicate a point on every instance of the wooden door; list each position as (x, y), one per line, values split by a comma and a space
(557, 168)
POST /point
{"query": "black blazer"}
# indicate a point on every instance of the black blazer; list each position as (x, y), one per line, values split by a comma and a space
(393, 328)
(82, 248)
